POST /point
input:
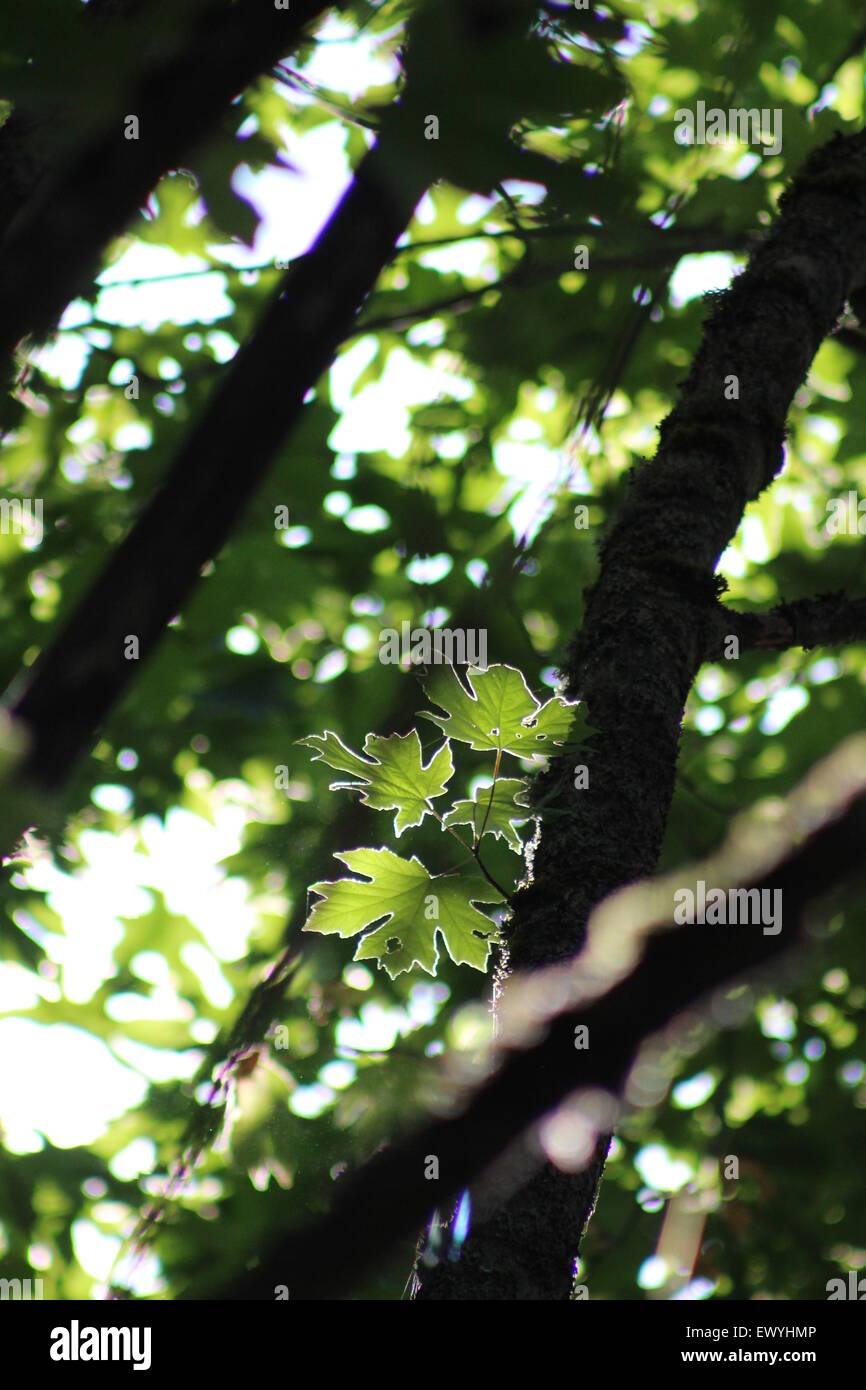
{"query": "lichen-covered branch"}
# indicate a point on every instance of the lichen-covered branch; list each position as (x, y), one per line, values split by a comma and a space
(647, 622)
(826, 620)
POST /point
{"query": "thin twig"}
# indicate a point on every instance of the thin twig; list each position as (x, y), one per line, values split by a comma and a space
(492, 794)
(473, 854)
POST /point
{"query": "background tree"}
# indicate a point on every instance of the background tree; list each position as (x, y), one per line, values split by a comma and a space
(544, 300)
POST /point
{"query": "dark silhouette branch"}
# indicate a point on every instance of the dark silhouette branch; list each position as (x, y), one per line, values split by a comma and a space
(83, 673)
(79, 678)
(827, 620)
(638, 974)
(51, 247)
(524, 275)
(700, 240)
(644, 638)
(36, 133)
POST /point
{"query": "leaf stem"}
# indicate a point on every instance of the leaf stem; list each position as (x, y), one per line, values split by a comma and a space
(492, 794)
(473, 854)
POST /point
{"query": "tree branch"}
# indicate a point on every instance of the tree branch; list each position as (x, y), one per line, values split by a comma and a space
(52, 246)
(81, 675)
(523, 275)
(827, 620)
(643, 641)
(700, 240)
(78, 679)
(636, 976)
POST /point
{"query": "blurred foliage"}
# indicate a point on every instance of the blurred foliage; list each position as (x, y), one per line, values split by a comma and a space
(434, 478)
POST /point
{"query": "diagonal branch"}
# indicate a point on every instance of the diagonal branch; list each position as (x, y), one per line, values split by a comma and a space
(52, 246)
(89, 665)
(85, 670)
(637, 975)
(524, 275)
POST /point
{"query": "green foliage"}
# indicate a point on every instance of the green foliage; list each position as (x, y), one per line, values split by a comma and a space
(481, 76)
(394, 777)
(503, 716)
(494, 811)
(470, 363)
(498, 712)
(415, 905)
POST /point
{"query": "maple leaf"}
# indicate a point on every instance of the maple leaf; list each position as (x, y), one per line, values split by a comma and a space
(499, 711)
(494, 817)
(415, 904)
(393, 775)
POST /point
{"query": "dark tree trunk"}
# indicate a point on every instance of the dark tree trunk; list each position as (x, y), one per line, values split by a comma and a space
(645, 634)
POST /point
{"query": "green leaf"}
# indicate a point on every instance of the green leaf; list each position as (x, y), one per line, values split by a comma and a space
(493, 817)
(176, 195)
(393, 777)
(227, 210)
(414, 904)
(498, 711)
(481, 76)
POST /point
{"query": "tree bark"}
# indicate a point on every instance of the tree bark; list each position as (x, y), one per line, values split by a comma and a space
(644, 637)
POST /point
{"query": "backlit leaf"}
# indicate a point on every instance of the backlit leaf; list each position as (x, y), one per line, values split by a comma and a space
(498, 711)
(415, 905)
(496, 815)
(393, 777)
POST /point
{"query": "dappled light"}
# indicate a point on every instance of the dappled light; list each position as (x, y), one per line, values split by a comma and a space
(432, 753)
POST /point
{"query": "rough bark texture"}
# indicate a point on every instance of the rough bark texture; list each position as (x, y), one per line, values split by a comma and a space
(52, 245)
(645, 633)
(679, 967)
(823, 621)
(85, 670)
